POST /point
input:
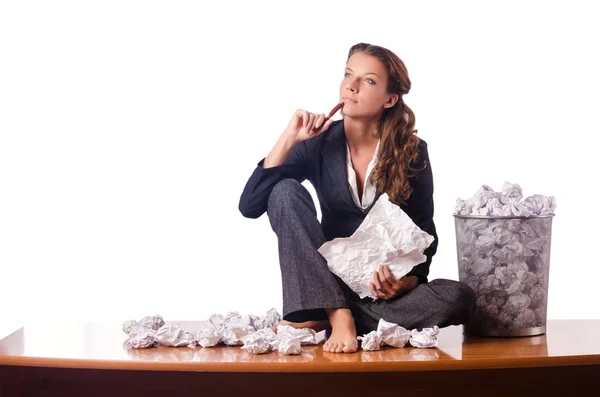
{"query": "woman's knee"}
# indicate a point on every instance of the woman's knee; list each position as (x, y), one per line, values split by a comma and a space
(466, 298)
(285, 193)
(461, 298)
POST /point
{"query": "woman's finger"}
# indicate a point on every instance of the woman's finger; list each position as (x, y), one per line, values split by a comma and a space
(395, 284)
(385, 283)
(311, 124)
(319, 120)
(327, 124)
(304, 116)
(376, 281)
(386, 288)
(323, 128)
(372, 286)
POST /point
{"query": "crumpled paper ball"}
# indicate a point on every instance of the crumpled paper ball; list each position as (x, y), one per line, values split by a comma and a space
(394, 335)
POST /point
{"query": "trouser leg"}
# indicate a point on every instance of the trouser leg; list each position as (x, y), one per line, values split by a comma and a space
(308, 285)
(439, 302)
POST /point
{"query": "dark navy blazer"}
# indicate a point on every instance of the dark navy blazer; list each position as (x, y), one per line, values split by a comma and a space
(322, 160)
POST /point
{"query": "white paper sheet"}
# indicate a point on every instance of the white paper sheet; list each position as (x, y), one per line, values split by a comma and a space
(387, 235)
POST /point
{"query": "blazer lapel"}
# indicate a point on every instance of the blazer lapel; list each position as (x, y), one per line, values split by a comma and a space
(334, 158)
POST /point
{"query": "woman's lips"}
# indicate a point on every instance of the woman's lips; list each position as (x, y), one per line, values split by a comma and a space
(348, 100)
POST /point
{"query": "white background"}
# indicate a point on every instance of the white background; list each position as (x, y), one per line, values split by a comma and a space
(128, 130)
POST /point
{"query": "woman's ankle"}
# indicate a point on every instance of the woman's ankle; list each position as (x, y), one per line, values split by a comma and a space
(339, 314)
(338, 311)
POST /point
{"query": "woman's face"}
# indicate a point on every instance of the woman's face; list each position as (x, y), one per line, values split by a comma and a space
(364, 87)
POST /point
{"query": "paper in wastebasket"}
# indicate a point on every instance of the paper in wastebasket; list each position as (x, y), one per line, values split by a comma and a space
(387, 235)
(508, 202)
(505, 256)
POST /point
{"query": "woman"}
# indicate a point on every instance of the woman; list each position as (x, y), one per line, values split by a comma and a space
(351, 162)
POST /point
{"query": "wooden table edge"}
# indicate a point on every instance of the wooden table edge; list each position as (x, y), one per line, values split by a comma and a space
(235, 367)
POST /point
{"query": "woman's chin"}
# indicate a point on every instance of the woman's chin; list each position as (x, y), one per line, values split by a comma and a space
(347, 112)
(352, 115)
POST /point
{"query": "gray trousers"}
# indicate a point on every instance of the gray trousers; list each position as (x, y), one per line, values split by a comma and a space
(309, 287)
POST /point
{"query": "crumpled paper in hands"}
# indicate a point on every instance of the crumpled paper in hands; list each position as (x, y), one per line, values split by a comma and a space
(387, 235)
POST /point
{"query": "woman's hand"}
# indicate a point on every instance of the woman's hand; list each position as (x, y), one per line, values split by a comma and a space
(386, 286)
(300, 128)
(302, 124)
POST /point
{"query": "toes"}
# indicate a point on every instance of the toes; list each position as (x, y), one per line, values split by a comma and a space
(331, 347)
(350, 348)
(340, 347)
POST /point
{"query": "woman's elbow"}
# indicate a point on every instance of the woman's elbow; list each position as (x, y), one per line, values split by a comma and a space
(248, 211)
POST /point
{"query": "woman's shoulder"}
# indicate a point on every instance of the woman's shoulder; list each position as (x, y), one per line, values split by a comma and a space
(423, 154)
(421, 161)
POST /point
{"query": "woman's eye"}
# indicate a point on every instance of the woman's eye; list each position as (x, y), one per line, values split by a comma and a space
(370, 81)
(346, 74)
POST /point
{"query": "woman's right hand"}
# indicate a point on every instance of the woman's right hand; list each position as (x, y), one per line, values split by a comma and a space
(302, 124)
(300, 128)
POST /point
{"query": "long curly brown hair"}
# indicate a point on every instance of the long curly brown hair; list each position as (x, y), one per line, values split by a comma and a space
(399, 147)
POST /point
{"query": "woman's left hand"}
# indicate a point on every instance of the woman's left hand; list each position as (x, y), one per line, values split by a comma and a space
(386, 286)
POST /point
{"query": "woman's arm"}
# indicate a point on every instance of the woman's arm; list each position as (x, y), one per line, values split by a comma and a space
(281, 163)
(280, 152)
(288, 159)
(419, 207)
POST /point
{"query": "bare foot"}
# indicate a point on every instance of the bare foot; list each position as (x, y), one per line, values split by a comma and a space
(317, 326)
(343, 333)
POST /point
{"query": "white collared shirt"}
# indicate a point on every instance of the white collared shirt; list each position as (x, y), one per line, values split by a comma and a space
(369, 190)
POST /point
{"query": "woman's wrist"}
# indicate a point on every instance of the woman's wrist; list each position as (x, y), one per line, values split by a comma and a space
(409, 282)
(288, 140)
(280, 151)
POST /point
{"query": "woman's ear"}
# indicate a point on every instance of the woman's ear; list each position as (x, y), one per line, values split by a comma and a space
(391, 101)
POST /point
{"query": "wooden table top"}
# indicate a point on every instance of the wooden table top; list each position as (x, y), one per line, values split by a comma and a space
(101, 346)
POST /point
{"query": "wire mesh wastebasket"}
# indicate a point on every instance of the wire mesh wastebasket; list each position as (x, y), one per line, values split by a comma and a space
(506, 261)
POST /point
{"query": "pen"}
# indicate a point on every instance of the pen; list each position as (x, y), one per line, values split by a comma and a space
(333, 111)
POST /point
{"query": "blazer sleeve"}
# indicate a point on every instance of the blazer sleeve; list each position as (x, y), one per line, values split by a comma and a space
(419, 207)
(255, 196)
